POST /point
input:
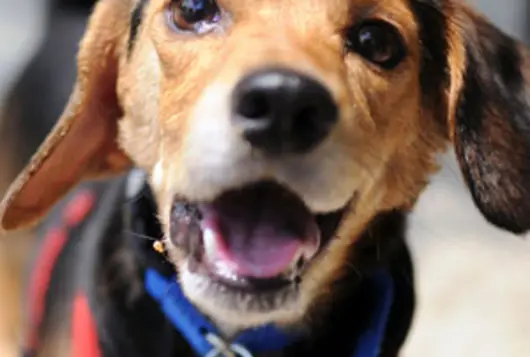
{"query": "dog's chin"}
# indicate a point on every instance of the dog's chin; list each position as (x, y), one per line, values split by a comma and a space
(242, 258)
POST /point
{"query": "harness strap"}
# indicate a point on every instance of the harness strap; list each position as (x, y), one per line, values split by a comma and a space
(55, 240)
(53, 245)
(85, 342)
(195, 327)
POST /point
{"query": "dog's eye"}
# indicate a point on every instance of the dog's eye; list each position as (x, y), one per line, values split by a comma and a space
(378, 42)
(194, 15)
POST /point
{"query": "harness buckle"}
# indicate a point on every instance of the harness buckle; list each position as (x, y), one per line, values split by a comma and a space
(223, 349)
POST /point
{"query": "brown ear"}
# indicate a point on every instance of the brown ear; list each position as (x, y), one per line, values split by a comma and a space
(83, 142)
(491, 126)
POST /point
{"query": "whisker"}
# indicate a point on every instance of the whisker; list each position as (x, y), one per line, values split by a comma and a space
(139, 235)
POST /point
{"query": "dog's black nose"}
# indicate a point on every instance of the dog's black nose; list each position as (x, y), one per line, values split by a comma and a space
(282, 111)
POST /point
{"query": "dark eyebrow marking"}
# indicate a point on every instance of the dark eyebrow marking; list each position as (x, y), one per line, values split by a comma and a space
(136, 22)
(434, 73)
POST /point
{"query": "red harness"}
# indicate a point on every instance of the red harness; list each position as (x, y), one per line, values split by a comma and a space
(85, 341)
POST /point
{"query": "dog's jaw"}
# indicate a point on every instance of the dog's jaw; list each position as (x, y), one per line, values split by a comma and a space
(237, 311)
(254, 276)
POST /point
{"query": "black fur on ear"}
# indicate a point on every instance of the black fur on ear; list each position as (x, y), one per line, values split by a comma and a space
(491, 128)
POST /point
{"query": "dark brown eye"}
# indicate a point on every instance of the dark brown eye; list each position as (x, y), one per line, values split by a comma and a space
(198, 16)
(377, 41)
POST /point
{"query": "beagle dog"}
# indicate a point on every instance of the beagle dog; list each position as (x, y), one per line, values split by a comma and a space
(275, 152)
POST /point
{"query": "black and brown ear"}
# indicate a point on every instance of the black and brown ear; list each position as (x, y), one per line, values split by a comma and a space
(491, 123)
(83, 142)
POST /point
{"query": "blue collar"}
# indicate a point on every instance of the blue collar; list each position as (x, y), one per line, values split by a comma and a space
(204, 337)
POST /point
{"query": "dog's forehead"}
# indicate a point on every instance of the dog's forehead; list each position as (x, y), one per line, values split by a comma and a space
(311, 25)
(339, 12)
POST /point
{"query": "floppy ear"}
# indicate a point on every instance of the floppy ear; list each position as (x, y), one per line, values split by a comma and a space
(491, 122)
(83, 142)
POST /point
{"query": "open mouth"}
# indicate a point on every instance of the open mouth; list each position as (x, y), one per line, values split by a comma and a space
(258, 238)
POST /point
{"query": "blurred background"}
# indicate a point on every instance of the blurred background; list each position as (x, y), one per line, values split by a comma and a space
(38, 42)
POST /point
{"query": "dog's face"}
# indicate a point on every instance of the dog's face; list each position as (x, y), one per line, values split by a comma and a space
(276, 124)
(275, 131)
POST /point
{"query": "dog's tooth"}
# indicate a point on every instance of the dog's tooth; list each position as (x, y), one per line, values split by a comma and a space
(310, 250)
(210, 244)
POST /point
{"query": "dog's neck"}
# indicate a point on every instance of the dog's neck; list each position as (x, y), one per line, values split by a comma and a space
(227, 330)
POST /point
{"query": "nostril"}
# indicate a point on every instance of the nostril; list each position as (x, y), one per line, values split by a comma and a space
(308, 124)
(304, 121)
(254, 105)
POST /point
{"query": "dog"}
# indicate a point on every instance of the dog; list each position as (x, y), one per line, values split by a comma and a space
(274, 153)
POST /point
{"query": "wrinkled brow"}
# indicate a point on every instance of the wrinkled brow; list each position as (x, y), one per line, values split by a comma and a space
(432, 19)
(136, 21)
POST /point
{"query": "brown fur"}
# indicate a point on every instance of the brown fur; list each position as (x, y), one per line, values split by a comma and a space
(96, 70)
(384, 143)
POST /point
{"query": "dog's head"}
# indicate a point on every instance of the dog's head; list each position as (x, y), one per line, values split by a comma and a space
(274, 131)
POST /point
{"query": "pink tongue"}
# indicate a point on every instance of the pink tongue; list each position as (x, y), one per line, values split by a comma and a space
(257, 234)
(261, 254)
